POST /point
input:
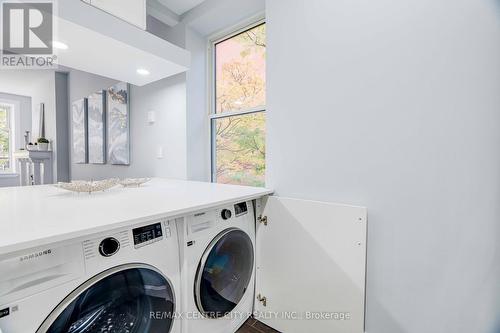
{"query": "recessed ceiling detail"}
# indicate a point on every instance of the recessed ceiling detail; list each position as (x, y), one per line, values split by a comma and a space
(180, 6)
(93, 41)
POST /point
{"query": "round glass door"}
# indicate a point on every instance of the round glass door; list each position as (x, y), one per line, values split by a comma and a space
(125, 299)
(224, 273)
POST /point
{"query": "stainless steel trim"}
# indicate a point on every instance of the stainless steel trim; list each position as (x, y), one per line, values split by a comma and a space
(201, 266)
(89, 283)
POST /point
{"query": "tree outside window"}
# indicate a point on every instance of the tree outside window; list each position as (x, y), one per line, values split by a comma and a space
(238, 120)
(5, 160)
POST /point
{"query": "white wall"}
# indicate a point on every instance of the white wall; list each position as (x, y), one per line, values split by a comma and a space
(193, 33)
(22, 116)
(40, 86)
(212, 16)
(197, 26)
(198, 143)
(395, 105)
(167, 98)
(22, 123)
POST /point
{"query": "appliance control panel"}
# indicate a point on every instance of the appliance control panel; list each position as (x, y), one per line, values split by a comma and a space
(240, 209)
(106, 246)
(147, 234)
(119, 244)
(130, 244)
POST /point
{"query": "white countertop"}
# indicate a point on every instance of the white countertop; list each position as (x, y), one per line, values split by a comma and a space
(40, 215)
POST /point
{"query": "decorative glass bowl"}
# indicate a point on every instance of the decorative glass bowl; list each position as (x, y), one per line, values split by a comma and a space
(134, 182)
(82, 186)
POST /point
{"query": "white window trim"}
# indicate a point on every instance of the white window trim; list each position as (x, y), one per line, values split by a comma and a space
(10, 121)
(211, 100)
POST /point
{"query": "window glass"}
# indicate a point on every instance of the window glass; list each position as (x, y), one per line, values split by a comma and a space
(226, 274)
(122, 302)
(238, 118)
(4, 138)
(241, 149)
(240, 71)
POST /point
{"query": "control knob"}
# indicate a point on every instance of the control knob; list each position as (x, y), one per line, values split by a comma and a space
(226, 214)
(109, 246)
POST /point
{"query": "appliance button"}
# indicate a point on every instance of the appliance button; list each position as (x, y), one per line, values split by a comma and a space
(226, 214)
(109, 246)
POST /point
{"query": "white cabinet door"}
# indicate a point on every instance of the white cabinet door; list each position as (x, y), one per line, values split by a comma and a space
(132, 11)
(311, 266)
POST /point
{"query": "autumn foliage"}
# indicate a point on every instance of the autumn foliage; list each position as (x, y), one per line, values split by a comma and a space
(240, 86)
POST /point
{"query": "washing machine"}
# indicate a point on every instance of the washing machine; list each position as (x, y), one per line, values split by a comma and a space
(123, 281)
(218, 268)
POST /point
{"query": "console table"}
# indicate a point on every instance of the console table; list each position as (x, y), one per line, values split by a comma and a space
(35, 167)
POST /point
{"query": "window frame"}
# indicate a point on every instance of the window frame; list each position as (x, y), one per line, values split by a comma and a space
(213, 116)
(9, 120)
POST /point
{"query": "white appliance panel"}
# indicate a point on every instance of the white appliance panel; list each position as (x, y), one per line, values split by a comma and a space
(35, 290)
(35, 270)
(196, 233)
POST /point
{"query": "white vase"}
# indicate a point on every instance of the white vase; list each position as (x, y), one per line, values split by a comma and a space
(43, 146)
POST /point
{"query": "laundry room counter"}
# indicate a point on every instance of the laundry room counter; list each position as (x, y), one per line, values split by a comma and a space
(38, 215)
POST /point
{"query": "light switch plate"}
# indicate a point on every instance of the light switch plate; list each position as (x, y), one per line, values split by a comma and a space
(159, 152)
(151, 117)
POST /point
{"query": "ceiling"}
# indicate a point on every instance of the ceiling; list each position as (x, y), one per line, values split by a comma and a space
(102, 44)
(180, 6)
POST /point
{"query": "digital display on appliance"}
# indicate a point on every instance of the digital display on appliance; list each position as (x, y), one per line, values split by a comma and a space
(147, 233)
(240, 209)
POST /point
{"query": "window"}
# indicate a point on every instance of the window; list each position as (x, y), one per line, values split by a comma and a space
(238, 116)
(5, 138)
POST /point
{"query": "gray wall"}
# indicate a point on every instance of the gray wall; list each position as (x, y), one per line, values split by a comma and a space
(395, 105)
(167, 98)
(175, 35)
(62, 127)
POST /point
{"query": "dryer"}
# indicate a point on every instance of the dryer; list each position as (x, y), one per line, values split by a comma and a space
(218, 258)
(125, 280)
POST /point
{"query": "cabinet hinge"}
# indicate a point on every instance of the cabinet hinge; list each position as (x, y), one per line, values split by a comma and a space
(262, 219)
(262, 299)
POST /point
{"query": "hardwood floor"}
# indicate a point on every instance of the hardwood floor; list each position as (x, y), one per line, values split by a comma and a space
(254, 326)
